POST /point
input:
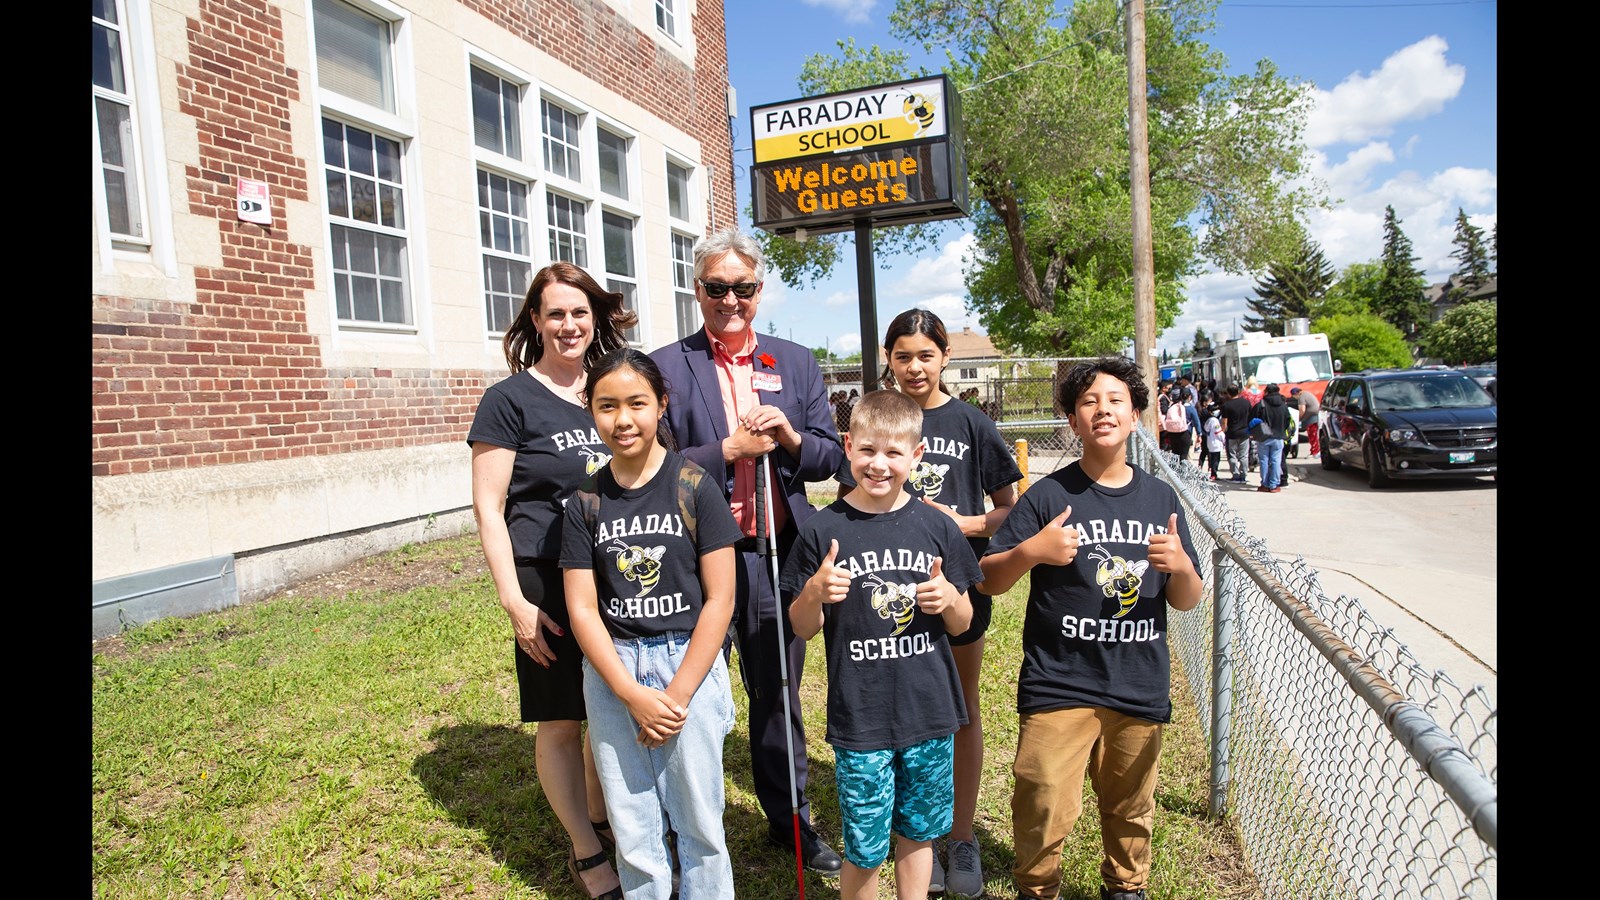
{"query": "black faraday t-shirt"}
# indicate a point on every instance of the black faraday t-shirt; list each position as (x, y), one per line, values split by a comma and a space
(645, 559)
(892, 682)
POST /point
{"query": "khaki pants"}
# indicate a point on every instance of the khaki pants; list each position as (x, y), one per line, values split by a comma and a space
(1054, 748)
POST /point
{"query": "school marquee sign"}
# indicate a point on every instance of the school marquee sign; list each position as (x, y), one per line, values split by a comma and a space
(889, 154)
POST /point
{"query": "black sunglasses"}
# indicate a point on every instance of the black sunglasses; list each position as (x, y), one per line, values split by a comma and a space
(744, 290)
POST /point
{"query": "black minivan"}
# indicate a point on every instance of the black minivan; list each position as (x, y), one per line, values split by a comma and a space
(1409, 423)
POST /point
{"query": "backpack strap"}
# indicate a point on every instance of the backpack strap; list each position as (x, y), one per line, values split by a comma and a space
(689, 476)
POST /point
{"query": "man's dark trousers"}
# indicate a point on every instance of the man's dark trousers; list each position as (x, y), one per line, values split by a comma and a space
(755, 621)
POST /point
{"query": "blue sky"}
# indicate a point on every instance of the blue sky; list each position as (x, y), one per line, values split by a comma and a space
(1405, 116)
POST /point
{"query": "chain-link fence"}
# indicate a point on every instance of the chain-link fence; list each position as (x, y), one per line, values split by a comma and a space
(1349, 768)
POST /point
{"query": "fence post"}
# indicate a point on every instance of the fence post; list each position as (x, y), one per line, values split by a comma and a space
(1221, 677)
(1022, 463)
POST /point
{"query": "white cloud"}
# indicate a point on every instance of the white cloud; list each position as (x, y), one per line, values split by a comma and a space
(1413, 83)
(854, 11)
(840, 298)
(846, 344)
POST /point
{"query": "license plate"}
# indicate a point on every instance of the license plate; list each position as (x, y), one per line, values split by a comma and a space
(1464, 456)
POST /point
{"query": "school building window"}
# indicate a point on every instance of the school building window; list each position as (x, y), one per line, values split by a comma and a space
(562, 141)
(688, 309)
(667, 17)
(622, 275)
(504, 231)
(496, 113)
(569, 234)
(364, 141)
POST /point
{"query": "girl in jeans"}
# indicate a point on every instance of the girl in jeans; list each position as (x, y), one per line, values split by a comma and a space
(647, 551)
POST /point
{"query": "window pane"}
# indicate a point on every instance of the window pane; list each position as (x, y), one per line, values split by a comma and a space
(511, 118)
(391, 256)
(358, 146)
(353, 53)
(391, 205)
(364, 299)
(388, 159)
(338, 197)
(618, 232)
(393, 295)
(613, 164)
(103, 9)
(118, 177)
(363, 200)
(677, 192)
(363, 251)
(107, 58)
(333, 143)
(630, 302)
(486, 127)
(113, 121)
(341, 293)
(561, 129)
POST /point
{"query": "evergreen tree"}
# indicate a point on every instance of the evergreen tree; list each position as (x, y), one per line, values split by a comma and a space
(1202, 343)
(1400, 298)
(1494, 247)
(1290, 289)
(1474, 270)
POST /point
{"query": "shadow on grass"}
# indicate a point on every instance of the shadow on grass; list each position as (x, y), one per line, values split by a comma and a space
(483, 776)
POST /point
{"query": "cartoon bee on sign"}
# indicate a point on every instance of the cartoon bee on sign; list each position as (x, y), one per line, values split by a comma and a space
(897, 602)
(928, 478)
(593, 460)
(1119, 579)
(639, 564)
(920, 111)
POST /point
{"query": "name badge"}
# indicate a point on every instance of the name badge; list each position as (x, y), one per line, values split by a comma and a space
(766, 381)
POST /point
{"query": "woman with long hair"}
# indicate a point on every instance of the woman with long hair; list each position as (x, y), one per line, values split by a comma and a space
(533, 441)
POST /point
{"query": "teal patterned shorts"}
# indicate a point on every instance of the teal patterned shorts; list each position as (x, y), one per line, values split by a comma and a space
(910, 792)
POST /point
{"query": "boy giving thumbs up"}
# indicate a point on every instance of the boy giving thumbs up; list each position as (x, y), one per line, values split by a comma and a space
(885, 579)
(1110, 553)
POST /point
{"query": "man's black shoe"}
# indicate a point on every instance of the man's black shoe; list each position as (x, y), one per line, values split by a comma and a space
(815, 854)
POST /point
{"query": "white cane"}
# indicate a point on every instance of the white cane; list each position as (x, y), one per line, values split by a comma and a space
(767, 545)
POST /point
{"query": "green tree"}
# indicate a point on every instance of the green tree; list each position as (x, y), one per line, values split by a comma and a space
(1290, 289)
(1494, 246)
(822, 354)
(1045, 104)
(1352, 292)
(1202, 342)
(1470, 253)
(1400, 294)
(1466, 334)
(1364, 341)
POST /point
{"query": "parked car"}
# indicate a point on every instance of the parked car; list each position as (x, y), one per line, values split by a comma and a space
(1409, 423)
(1486, 375)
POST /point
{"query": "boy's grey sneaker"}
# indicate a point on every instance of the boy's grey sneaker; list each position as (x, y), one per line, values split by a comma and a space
(936, 880)
(965, 876)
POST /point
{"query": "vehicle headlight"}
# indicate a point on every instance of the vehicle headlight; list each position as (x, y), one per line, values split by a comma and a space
(1402, 435)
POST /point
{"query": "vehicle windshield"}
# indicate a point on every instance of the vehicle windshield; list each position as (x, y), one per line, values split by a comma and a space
(1404, 394)
(1278, 368)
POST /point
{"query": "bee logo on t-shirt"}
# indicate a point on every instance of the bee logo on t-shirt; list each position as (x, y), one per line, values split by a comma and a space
(639, 564)
(593, 460)
(928, 478)
(895, 602)
(1118, 578)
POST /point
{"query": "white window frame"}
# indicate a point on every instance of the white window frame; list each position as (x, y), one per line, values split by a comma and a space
(668, 17)
(628, 284)
(569, 151)
(508, 131)
(685, 303)
(630, 166)
(156, 246)
(398, 125)
(527, 171)
(553, 231)
(691, 220)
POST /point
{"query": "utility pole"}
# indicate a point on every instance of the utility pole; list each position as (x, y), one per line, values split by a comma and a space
(1144, 275)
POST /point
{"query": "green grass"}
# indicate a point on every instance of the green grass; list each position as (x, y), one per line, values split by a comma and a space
(352, 741)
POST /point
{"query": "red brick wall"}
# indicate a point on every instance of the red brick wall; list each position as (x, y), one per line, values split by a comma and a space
(235, 376)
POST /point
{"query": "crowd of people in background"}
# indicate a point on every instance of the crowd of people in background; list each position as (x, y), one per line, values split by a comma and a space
(1254, 426)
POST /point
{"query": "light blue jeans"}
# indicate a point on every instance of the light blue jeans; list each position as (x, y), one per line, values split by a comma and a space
(1270, 456)
(679, 782)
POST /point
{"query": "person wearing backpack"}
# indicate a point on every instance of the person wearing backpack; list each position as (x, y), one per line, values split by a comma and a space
(1273, 414)
(1175, 425)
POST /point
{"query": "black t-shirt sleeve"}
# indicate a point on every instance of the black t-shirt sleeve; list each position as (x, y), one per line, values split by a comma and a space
(958, 563)
(1022, 522)
(577, 540)
(999, 467)
(803, 559)
(715, 526)
(496, 422)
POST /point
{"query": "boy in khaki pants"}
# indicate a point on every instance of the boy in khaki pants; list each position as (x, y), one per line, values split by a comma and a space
(1109, 551)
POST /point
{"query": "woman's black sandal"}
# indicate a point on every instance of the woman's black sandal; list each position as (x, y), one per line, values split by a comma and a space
(577, 866)
(602, 830)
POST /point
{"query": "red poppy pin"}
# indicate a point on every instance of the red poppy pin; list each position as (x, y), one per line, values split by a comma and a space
(768, 361)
